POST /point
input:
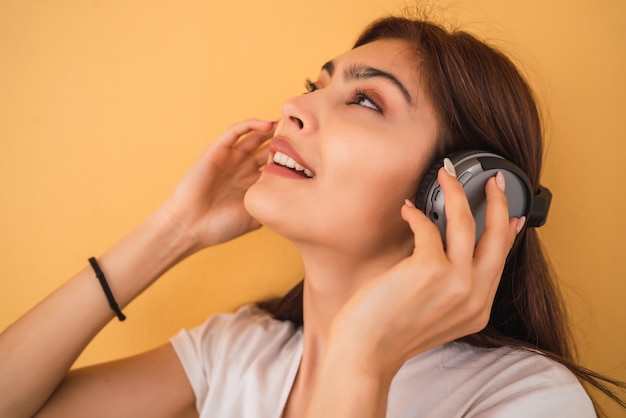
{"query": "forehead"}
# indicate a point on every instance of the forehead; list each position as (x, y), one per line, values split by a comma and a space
(390, 55)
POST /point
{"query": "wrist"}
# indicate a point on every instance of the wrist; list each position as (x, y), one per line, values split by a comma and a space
(365, 347)
(143, 256)
(360, 356)
(174, 233)
(349, 384)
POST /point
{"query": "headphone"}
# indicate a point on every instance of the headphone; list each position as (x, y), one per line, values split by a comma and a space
(473, 169)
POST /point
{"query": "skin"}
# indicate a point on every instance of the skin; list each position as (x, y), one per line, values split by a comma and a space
(354, 278)
(374, 296)
(356, 152)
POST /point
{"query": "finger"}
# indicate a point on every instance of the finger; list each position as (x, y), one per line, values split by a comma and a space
(487, 282)
(500, 231)
(253, 140)
(232, 134)
(425, 233)
(261, 155)
(461, 227)
(496, 241)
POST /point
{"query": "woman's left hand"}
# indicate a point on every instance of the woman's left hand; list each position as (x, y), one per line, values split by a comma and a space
(432, 297)
(436, 295)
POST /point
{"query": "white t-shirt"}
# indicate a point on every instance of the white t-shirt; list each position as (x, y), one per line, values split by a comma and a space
(244, 365)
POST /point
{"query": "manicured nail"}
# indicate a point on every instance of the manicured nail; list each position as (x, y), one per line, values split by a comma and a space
(409, 203)
(520, 223)
(447, 164)
(500, 180)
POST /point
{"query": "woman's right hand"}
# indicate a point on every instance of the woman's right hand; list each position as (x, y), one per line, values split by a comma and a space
(207, 204)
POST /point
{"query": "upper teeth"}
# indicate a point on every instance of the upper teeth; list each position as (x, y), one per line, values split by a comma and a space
(287, 161)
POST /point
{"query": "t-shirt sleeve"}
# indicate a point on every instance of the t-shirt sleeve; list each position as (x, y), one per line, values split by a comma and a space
(193, 348)
(218, 354)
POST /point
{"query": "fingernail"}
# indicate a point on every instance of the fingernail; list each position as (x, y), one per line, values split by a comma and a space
(500, 180)
(272, 120)
(447, 164)
(409, 203)
(520, 223)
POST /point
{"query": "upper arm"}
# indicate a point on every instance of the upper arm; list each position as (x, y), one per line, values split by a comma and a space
(151, 384)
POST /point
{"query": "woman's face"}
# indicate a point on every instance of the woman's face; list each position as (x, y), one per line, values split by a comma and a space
(360, 138)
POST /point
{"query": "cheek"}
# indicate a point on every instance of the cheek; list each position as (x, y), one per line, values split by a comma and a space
(367, 199)
(365, 208)
(372, 176)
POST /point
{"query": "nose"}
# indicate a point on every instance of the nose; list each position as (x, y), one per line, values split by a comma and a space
(299, 113)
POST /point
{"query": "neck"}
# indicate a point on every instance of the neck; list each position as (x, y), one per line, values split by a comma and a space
(331, 278)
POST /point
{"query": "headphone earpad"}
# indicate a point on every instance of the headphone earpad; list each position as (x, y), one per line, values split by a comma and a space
(425, 186)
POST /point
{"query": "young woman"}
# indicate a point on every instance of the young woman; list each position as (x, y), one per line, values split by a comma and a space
(387, 321)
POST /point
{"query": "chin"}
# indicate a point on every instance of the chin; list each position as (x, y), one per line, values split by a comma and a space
(263, 206)
(278, 211)
(254, 204)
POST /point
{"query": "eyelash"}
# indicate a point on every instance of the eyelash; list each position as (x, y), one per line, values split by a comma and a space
(360, 95)
(309, 86)
(357, 97)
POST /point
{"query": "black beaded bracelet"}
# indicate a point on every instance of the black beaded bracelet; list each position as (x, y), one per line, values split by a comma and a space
(106, 288)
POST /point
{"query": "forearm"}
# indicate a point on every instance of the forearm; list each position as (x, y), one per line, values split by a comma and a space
(37, 351)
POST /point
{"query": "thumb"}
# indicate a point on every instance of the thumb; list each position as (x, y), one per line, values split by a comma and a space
(426, 234)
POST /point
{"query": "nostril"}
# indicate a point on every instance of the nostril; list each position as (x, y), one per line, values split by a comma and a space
(298, 121)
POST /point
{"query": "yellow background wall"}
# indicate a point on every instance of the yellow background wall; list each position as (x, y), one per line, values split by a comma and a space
(104, 105)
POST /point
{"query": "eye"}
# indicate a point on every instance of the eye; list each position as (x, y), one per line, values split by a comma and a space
(309, 86)
(361, 98)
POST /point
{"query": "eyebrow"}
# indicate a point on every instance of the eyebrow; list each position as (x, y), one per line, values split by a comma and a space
(361, 72)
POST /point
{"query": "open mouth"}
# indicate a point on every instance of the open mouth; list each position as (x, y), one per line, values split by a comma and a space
(286, 161)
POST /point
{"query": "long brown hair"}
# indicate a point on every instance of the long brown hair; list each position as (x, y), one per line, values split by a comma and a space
(483, 102)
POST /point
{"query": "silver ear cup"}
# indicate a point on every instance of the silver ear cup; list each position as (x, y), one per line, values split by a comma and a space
(473, 170)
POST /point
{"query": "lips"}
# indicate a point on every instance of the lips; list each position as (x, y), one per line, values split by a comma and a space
(284, 155)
